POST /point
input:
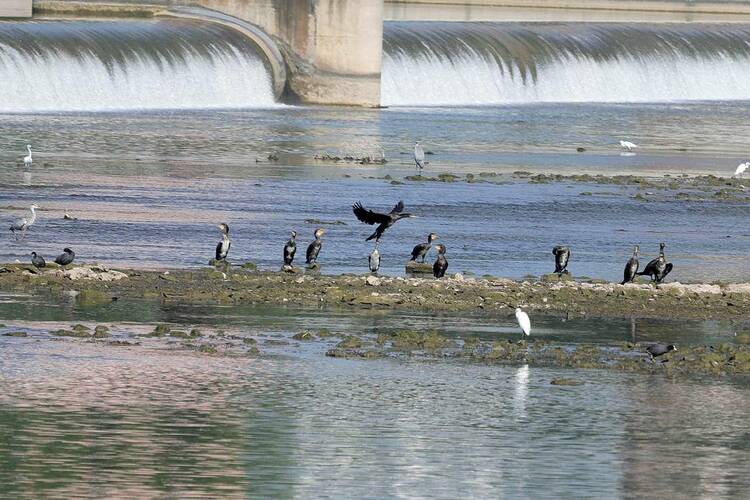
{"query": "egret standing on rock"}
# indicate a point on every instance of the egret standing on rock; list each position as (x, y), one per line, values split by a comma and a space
(523, 321)
(28, 160)
(562, 256)
(418, 155)
(659, 268)
(384, 220)
(290, 249)
(441, 263)
(420, 251)
(23, 223)
(374, 260)
(314, 248)
(222, 247)
(631, 268)
(37, 260)
(66, 257)
(628, 145)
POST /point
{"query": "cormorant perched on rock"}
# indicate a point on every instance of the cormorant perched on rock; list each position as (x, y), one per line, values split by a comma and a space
(374, 260)
(222, 247)
(562, 256)
(290, 249)
(441, 263)
(659, 349)
(659, 268)
(631, 268)
(384, 220)
(66, 257)
(420, 251)
(37, 261)
(314, 248)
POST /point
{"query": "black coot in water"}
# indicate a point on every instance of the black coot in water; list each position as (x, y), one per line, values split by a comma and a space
(631, 268)
(420, 251)
(441, 263)
(37, 260)
(313, 248)
(659, 349)
(384, 220)
(659, 268)
(66, 257)
(562, 256)
(222, 248)
(290, 249)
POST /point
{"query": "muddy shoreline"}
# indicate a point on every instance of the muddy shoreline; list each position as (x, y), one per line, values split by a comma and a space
(496, 297)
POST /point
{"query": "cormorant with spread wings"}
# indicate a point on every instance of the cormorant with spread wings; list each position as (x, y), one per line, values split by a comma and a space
(384, 220)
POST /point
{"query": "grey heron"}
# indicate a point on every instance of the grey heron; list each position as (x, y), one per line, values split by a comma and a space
(23, 223)
(418, 155)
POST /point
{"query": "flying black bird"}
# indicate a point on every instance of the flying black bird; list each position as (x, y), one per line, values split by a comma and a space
(384, 220)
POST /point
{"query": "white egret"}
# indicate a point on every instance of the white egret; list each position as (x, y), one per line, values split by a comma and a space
(741, 168)
(418, 155)
(27, 160)
(523, 321)
(628, 145)
(23, 223)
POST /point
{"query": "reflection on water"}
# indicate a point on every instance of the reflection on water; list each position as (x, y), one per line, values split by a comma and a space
(87, 420)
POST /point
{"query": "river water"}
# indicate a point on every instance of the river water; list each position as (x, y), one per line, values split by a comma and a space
(149, 188)
(84, 419)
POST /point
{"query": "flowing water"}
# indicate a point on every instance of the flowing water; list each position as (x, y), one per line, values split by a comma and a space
(147, 189)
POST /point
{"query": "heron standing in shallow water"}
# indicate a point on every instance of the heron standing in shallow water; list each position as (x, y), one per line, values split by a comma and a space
(28, 160)
(23, 223)
(418, 156)
(313, 249)
(523, 321)
(384, 220)
(223, 246)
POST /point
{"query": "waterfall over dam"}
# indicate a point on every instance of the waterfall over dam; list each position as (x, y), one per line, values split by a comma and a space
(458, 63)
(124, 65)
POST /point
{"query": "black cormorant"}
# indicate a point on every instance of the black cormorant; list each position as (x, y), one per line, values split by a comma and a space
(659, 268)
(66, 257)
(656, 350)
(562, 256)
(290, 249)
(37, 260)
(441, 263)
(384, 220)
(374, 260)
(222, 247)
(631, 268)
(420, 251)
(314, 248)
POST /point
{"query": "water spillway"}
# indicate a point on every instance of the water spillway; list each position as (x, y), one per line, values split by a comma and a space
(124, 65)
(445, 63)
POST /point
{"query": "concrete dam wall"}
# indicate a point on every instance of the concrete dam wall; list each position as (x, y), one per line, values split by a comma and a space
(86, 54)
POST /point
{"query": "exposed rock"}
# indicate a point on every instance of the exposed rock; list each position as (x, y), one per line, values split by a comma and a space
(372, 281)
